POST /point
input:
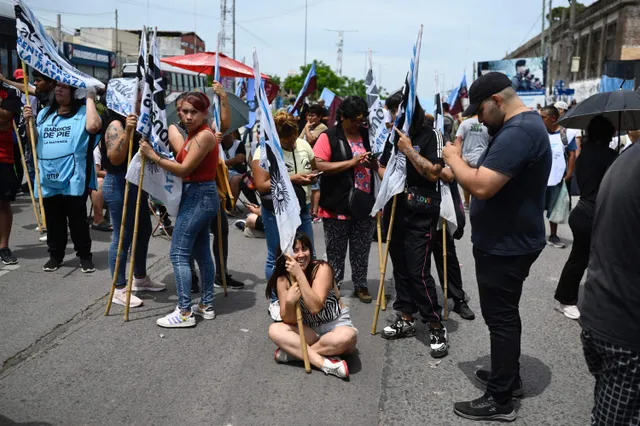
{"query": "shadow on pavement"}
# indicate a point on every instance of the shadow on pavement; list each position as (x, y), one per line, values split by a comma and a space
(536, 376)
(5, 421)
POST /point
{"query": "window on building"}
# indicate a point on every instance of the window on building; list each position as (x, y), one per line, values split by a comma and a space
(610, 41)
(584, 48)
(180, 83)
(596, 41)
(174, 82)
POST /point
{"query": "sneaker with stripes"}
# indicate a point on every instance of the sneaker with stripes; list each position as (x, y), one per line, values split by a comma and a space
(177, 319)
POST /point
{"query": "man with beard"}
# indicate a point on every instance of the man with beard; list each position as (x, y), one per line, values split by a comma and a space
(508, 231)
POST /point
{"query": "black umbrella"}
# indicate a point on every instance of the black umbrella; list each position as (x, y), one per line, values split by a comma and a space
(621, 108)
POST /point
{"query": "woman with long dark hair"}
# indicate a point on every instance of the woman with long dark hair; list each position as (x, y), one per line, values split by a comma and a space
(346, 193)
(66, 138)
(416, 217)
(196, 165)
(592, 163)
(328, 329)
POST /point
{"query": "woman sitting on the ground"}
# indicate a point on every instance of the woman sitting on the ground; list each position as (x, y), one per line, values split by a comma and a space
(329, 331)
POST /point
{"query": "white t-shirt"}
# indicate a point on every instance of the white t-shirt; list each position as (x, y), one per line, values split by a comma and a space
(475, 138)
(97, 156)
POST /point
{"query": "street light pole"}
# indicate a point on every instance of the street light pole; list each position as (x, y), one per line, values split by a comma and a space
(306, 7)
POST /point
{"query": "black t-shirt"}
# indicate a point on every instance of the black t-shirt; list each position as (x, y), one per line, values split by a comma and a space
(609, 308)
(591, 165)
(426, 144)
(106, 164)
(512, 221)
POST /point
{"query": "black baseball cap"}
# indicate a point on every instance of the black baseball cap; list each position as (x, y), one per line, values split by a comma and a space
(483, 88)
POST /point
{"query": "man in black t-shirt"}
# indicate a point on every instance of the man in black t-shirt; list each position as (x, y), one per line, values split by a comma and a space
(609, 313)
(507, 229)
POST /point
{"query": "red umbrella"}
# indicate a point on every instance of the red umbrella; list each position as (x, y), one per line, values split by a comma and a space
(205, 63)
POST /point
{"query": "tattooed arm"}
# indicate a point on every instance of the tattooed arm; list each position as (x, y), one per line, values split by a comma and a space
(426, 168)
(117, 139)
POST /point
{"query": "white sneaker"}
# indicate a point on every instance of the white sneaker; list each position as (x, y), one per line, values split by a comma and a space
(336, 368)
(569, 311)
(43, 239)
(207, 313)
(176, 320)
(282, 357)
(120, 298)
(147, 284)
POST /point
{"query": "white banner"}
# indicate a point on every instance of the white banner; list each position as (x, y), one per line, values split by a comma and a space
(38, 50)
(152, 124)
(447, 208)
(395, 175)
(121, 93)
(285, 201)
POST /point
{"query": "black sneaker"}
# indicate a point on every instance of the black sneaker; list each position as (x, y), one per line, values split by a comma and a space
(438, 342)
(195, 283)
(52, 265)
(517, 390)
(7, 257)
(86, 266)
(555, 241)
(485, 408)
(231, 283)
(464, 311)
(240, 224)
(399, 329)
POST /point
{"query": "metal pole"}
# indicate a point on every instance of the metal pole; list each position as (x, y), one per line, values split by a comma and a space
(59, 22)
(550, 48)
(116, 46)
(306, 4)
(544, 5)
(233, 29)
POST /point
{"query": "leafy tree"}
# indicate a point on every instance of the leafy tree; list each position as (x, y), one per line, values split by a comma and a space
(556, 12)
(275, 79)
(326, 77)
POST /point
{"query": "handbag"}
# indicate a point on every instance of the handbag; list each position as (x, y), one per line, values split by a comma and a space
(422, 200)
(360, 202)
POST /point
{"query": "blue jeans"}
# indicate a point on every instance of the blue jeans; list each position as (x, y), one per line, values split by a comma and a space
(113, 192)
(273, 237)
(198, 206)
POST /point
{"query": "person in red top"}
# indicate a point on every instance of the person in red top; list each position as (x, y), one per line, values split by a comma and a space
(9, 108)
(196, 165)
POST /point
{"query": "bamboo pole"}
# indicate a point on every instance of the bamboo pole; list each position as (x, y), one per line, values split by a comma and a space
(24, 167)
(444, 256)
(383, 271)
(383, 304)
(33, 147)
(122, 230)
(223, 271)
(134, 241)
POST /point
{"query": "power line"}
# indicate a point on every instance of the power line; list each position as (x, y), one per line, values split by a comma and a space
(72, 13)
(168, 9)
(286, 12)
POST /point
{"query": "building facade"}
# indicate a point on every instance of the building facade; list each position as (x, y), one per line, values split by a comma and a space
(607, 30)
(97, 63)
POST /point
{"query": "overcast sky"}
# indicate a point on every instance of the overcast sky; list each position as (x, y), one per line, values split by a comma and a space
(456, 32)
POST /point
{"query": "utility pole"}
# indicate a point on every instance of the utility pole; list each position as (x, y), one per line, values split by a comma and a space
(544, 5)
(227, 14)
(117, 46)
(340, 45)
(233, 30)
(550, 48)
(306, 7)
(567, 44)
(59, 31)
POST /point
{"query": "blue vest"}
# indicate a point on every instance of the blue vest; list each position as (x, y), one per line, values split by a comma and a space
(63, 151)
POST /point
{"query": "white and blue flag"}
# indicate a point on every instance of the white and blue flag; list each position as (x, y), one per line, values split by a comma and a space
(152, 124)
(395, 175)
(285, 201)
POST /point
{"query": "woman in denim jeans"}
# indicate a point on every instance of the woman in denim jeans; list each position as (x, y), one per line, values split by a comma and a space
(300, 161)
(196, 165)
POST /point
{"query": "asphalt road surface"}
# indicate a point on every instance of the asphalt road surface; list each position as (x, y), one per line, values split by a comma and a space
(65, 363)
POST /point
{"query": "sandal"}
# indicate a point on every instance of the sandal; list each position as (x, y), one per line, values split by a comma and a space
(103, 226)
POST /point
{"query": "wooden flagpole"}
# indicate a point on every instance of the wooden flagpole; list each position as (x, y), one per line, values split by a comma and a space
(223, 272)
(303, 340)
(24, 166)
(383, 304)
(134, 241)
(122, 230)
(383, 270)
(33, 147)
(444, 256)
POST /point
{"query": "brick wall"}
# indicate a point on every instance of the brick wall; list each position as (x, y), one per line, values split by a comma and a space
(630, 32)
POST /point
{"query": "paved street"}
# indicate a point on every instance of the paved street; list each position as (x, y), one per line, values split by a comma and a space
(65, 363)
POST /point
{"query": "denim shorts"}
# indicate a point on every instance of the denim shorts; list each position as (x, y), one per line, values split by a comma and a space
(343, 320)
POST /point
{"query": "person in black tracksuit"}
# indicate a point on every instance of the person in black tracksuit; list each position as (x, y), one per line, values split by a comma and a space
(413, 233)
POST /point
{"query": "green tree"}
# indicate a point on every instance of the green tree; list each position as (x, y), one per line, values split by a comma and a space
(326, 77)
(556, 12)
(275, 79)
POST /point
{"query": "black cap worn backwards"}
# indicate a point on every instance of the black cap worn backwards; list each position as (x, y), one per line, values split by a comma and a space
(483, 88)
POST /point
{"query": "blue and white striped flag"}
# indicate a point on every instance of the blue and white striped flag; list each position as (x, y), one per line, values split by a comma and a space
(152, 124)
(285, 201)
(395, 175)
